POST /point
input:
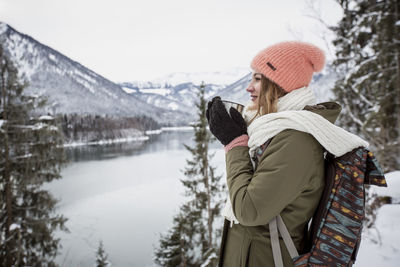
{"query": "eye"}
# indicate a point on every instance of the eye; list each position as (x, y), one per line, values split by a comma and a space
(257, 78)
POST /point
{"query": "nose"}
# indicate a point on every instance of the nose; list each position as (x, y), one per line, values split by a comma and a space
(250, 88)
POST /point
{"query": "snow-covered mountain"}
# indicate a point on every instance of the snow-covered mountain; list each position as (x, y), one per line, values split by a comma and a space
(222, 78)
(180, 97)
(177, 91)
(71, 87)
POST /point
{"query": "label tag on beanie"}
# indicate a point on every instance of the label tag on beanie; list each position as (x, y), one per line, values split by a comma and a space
(271, 66)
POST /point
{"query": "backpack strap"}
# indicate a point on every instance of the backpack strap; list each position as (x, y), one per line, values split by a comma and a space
(259, 152)
(287, 238)
(276, 226)
(276, 248)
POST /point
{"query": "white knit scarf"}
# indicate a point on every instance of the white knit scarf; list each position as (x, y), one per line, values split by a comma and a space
(291, 115)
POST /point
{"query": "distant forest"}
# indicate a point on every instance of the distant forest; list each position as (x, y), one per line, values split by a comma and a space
(91, 128)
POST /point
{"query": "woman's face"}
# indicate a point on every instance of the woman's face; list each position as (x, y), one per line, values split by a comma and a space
(254, 87)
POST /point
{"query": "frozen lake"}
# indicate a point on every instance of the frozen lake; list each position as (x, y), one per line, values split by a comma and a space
(122, 194)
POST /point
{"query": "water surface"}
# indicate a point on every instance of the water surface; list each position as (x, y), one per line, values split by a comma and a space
(124, 194)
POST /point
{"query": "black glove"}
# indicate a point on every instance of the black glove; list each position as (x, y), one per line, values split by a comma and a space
(224, 127)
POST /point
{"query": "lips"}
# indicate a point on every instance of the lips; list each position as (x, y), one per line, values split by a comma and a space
(253, 97)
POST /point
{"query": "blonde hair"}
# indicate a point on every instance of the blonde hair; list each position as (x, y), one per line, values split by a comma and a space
(268, 99)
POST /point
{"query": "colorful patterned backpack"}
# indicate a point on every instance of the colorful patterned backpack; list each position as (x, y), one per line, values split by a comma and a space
(336, 227)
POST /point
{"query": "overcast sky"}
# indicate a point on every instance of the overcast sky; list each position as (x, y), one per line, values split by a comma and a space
(126, 40)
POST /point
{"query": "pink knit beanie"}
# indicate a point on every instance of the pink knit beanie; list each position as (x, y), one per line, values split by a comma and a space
(289, 64)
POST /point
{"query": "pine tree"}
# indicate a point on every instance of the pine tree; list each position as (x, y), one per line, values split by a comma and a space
(101, 256)
(192, 241)
(30, 155)
(368, 56)
(177, 244)
(203, 186)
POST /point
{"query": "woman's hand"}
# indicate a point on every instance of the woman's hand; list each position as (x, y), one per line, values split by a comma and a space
(224, 127)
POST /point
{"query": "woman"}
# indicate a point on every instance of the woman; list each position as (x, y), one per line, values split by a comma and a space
(287, 180)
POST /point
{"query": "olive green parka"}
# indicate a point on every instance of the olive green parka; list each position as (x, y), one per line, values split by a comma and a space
(288, 180)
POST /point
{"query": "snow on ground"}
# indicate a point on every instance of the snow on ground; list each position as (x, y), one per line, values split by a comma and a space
(169, 129)
(380, 246)
(46, 118)
(109, 141)
(183, 128)
(151, 132)
(393, 189)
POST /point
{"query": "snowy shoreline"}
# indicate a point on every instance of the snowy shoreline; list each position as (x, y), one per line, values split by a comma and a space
(108, 141)
(141, 138)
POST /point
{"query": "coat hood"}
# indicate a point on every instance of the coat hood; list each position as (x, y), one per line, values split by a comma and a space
(329, 110)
